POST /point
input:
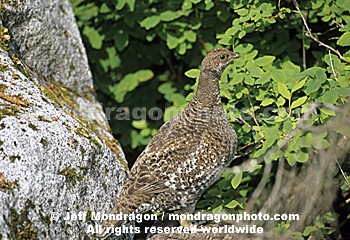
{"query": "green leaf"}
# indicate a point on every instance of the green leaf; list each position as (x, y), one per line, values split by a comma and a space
(244, 48)
(291, 158)
(298, 85)
(140, 124)
(233, 30)
(232, 204)
(236, 180)
(150, 22)
(345, 92)
(345, 4)
(167, 90)
(129, 83)
(263, 79)
(223, 16)
(312, 85)
(190, 35)
(171, 41)
(278, 75)
(250, 56)
(298, 102)
(255, 168)
(330, 96)
(196, 26)
(271, 134)
(145, 132)
(242, 11)
(202, 203)
(94, 37)
(192, 73)
(131, 4)
(280, 101)
(217, 209)
(170, 112)
(182, 48)
(283, 90)
(186, 5)
(290, 68)
(256, 72)
(309, 229)
(276, 155)
(321, 75)
(104, 8)
(226, 40)
(327, 111)
(312, 72)
(302, 157)
(259, 152)
(214, 192)
(316, 4)
(120, 4)
(168, 15)
(237, 78)
(178, 100)
(144, 75)
(320, 144)
(113, 60)
(344, 39)
(121, 40)
(267, 102)
(241, 34)
(264, 61)
(249, 80)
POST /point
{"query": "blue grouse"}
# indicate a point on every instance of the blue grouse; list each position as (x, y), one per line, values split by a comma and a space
(188, 153)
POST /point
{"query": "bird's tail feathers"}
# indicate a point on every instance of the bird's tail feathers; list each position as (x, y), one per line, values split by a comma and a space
(117, 217)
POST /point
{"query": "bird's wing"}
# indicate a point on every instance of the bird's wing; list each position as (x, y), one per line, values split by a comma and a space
(144, 183)
(140, 192)
(146, 177)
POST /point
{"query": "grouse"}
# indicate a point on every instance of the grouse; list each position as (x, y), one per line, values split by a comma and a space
(187, 154)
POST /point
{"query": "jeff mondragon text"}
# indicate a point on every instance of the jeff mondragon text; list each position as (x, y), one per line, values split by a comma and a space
(100, 216)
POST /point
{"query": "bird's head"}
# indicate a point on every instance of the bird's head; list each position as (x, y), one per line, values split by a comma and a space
(218, 59)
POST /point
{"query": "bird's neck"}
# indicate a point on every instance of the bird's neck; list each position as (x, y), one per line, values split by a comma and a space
(208, 92)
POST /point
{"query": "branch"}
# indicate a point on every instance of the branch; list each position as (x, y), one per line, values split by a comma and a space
(253, 111)
(203, 44)
(242, 120)
(342, 172)
(172, 69)
(304, 51)
(247, 153)
(331, 61)
(260, 188)
(310, 35)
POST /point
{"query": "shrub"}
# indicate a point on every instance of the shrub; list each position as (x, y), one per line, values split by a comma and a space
(293, 76)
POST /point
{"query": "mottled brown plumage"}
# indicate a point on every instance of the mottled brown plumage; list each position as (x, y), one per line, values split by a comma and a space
(188, 153)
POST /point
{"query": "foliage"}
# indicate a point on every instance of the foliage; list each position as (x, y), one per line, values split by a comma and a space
(284, 83)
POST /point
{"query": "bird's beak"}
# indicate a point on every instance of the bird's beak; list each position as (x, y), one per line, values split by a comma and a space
(234, 56)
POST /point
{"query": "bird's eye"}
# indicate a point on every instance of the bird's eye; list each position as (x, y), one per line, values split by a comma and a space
(222, 57)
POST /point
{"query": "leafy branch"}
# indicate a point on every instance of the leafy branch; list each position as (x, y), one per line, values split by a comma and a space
(310, 35)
